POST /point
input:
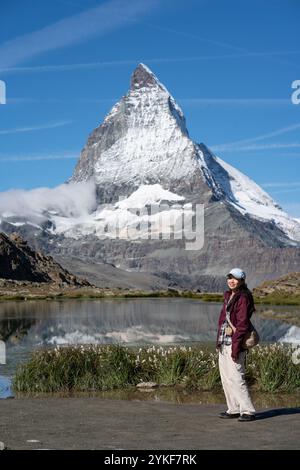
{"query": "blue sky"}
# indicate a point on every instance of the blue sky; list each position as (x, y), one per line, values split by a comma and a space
(228, 63)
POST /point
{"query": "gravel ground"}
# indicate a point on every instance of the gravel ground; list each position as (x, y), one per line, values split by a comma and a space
(97, 423)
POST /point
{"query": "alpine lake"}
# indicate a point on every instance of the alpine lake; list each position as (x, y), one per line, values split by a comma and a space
(26, 326)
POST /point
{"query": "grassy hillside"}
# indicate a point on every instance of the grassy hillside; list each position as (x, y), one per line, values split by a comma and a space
(284, 290)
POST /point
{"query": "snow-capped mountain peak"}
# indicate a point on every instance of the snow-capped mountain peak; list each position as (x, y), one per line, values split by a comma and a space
(141, 155)
(144, 140)
(144, 133)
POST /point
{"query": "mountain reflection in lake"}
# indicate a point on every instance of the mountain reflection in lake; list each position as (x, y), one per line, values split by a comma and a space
(25, 326)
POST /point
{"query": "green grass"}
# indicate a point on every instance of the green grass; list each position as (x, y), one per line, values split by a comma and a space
(208, 297)
(81, 368)
(272, 368)
(96, 368)
(279, 298)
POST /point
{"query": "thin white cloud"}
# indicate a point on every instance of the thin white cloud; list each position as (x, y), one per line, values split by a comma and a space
(17, 130)
(288, 154)
(248, 102)
(281, 191)
(280, 185)
(32, 158)
(27, 100)
(19, 100)
(114, 63)
(292, 208)
(231, 145)
(99, 20)
(251, 148)
(227, 102)
(245, 52)
(196, 36)
(68, 67)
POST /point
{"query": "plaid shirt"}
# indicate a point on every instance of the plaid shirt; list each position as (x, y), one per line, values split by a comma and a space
(223, 338)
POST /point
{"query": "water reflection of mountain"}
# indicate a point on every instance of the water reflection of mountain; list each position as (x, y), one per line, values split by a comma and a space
(118, 320)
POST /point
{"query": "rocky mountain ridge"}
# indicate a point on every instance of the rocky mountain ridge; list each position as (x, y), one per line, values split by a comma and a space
(287, 285)
(19, 262)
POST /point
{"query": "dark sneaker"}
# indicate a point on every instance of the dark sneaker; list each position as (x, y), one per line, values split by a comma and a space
(246, 417)
(226, 415)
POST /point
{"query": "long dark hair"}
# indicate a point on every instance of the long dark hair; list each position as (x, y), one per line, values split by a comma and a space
(244, 288)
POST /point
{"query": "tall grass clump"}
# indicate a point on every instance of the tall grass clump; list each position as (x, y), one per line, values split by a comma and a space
(164, 365)
(271, 368)
(76, 368)
(106, 367)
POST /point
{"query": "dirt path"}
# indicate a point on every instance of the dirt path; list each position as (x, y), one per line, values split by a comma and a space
(97, 423)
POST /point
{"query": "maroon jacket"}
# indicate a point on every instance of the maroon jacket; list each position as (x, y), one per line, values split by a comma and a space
(241, 309)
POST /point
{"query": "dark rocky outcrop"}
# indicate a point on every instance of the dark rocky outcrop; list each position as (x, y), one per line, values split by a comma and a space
(19, 262)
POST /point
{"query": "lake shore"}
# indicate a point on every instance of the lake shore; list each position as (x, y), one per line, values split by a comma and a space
(17, 290)
(20, 291)
(97, 423)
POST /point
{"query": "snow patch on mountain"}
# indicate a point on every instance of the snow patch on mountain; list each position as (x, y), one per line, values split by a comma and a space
(130, 217)
(146, 195)
(249, 198)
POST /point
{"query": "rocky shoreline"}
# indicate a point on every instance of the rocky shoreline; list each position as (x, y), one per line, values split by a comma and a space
(25, 290)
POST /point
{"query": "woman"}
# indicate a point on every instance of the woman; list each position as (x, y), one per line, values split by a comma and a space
(237, 310)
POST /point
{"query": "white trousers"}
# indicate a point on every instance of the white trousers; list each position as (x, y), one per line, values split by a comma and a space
(233, 381)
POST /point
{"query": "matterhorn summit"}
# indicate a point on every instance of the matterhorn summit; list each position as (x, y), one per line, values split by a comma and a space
(143, 140)
(141, 155)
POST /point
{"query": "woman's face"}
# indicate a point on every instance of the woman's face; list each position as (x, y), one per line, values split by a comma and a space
(234, 283)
